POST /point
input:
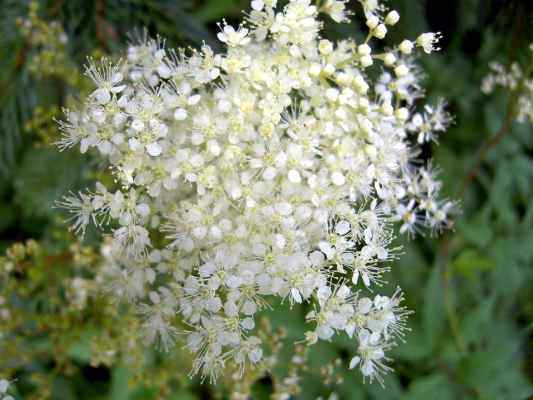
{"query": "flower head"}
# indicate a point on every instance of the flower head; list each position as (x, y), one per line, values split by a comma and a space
(278, 168)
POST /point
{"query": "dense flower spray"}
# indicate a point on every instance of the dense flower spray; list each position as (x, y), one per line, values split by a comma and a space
(277, 168)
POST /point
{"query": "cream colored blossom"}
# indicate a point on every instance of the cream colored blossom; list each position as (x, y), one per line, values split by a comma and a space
(278, 168)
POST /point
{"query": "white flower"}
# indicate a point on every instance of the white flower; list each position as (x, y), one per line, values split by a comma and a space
(233, 37)
(515, 81)
(392, 18)
(294, 176)
(406, 47)
(342, 227)
(336, 9)
(107, 77)
(81, 207)
(428, 41)
(4, 385)
(371, 356)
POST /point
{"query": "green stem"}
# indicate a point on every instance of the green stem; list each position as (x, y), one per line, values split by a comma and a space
(451, 315)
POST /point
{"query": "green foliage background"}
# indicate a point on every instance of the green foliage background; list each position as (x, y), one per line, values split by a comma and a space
(471, 289)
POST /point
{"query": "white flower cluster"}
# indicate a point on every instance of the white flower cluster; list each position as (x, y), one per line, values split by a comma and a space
(517, 81)
(77, 292)
(5, 314)
(4, 387)
(277, 168)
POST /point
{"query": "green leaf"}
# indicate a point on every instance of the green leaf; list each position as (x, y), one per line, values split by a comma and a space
(415, 348)
(7, 215)
(120, 389)
(477, 230)
(434, 387)
(43, 178)
(63, 389)
(182, 395)
(81, 350)
(496, 374)
(433, 309)
(469, 262)
(215, 10)
(478, 320)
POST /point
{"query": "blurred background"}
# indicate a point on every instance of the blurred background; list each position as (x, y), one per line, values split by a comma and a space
(471, 289)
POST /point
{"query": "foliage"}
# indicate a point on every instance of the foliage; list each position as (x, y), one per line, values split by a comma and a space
(471, 333)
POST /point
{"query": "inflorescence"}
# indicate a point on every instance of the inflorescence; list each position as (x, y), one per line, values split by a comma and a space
(278, 168)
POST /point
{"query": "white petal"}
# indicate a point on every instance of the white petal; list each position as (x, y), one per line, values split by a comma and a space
(222, 37)
(269, 173)
(102, 96)
(294, 176)
(257, 5)
(193, 100)
(350, 329)
(228, 29)
(296, 295)
(326, 248)
(367, 368)
(382, 253)
(105, 147)
(366, 279)
(164, 71)
(248, 323)
(180, 114)
(118, 89)
(378, 354)
(154, 149)
(342, 227)
(364, 305)
(255, 355)
(137, 125)
(143, 209)
(354, 361)
(338, 178)
(154, 297)
(116, 78)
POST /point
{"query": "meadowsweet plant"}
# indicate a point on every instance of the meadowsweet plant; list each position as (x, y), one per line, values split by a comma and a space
(515, 79)
(278, 168)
